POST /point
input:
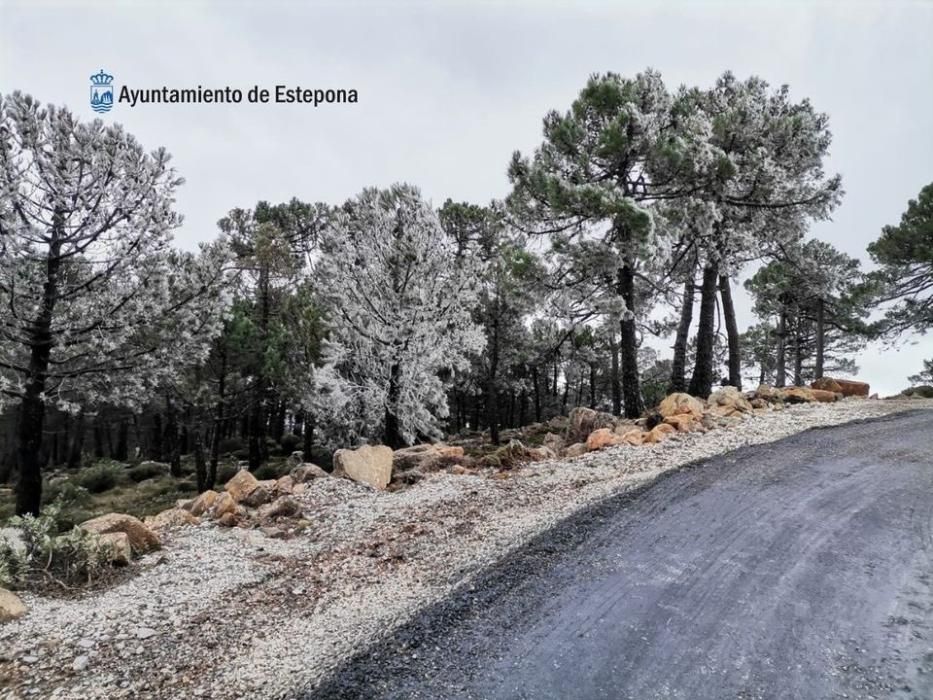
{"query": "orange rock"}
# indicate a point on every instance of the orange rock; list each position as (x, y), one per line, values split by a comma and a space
(141, 538)
(658, 433)
(683, 422)
(203, 503)
(224, 504)
(633, 437)
(846, 387)
(681, 404)
(601, 438)
(241, 485)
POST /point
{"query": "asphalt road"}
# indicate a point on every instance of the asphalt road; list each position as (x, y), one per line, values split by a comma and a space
(798, 569)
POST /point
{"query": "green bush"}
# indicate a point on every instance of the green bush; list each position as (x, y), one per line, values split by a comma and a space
(272, 470)
(145, 470)
(43, 556)
(289, 443)
(225, 472)
(101, 477)
(67, 493)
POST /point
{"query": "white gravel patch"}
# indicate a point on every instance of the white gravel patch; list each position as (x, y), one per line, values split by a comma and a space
(233, 614)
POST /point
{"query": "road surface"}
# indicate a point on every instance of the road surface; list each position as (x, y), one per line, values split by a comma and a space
(798, 569)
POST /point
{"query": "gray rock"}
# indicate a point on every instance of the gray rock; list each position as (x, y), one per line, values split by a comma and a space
(145, 633)
(80, 663)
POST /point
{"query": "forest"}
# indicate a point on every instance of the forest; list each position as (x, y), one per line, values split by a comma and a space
(307, 325)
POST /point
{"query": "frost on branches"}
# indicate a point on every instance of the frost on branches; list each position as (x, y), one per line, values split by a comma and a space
(400, 293)
(97, 305)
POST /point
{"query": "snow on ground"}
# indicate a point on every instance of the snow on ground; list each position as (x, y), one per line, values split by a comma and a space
(234, 614)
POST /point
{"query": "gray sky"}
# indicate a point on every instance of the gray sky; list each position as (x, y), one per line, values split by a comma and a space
(448, 91)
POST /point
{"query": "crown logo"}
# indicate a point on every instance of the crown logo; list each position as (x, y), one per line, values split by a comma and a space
(101, 92)
(101, 78)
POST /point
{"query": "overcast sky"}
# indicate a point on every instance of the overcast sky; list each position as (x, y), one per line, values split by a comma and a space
(448, 90)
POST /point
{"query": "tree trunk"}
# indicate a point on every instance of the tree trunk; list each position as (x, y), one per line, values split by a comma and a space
(732, 332)
(200, 464)
(171, 440)
(32, 406)
(308, 438)
(537, 384)
(121, 451)
(77, 442)
(701, 383)
(679, 363)
(780, 355)
(492, 388)
(798, 355)
(631, 384)
(219, 411)
(393, 429)
(820, 338)
(614, 376)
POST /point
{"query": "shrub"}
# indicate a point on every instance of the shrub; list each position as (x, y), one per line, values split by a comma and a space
(146, 470)
(42, 556)
(225, 472)
(66, 493)
(231, 444)
(272, 470)
(101, 477)
(289, 443)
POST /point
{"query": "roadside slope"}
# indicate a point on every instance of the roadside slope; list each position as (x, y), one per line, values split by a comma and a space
(230, 613)
(798, 568)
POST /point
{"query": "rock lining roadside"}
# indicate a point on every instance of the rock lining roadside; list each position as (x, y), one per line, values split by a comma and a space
(231, 613)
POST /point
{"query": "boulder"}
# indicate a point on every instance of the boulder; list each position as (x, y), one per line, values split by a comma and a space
(683, 422)
(846, 387)
(11, 607)
(141, 538)
(307, 472)
(285, 485)
(224, 504)
(767, 393)
(800, 394)
(203, 503)
(730, 397)
(283, 507)
(681, 404)
(116, 547)
(173, 517)
(241, 485)
(228, 519)
(260, 495)
(555, 443)
(601, 438)
(584, 421)
(576, 450)
(633, 437)
(658, 433)
(424, 457)
(295, 459)
(370, 464)
(826, 384)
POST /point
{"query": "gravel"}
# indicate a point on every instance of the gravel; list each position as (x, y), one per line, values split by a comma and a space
(234, 613)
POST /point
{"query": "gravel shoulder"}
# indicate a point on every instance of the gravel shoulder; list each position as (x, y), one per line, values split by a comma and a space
(231, 613)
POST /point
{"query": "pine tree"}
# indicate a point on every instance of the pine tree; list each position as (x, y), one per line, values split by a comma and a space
(97, 306)
(905, 254)
(624, 143)
(399, 292)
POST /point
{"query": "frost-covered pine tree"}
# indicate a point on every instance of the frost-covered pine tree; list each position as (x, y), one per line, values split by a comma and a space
(624, 145)
(97, 306)
(399, 293)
